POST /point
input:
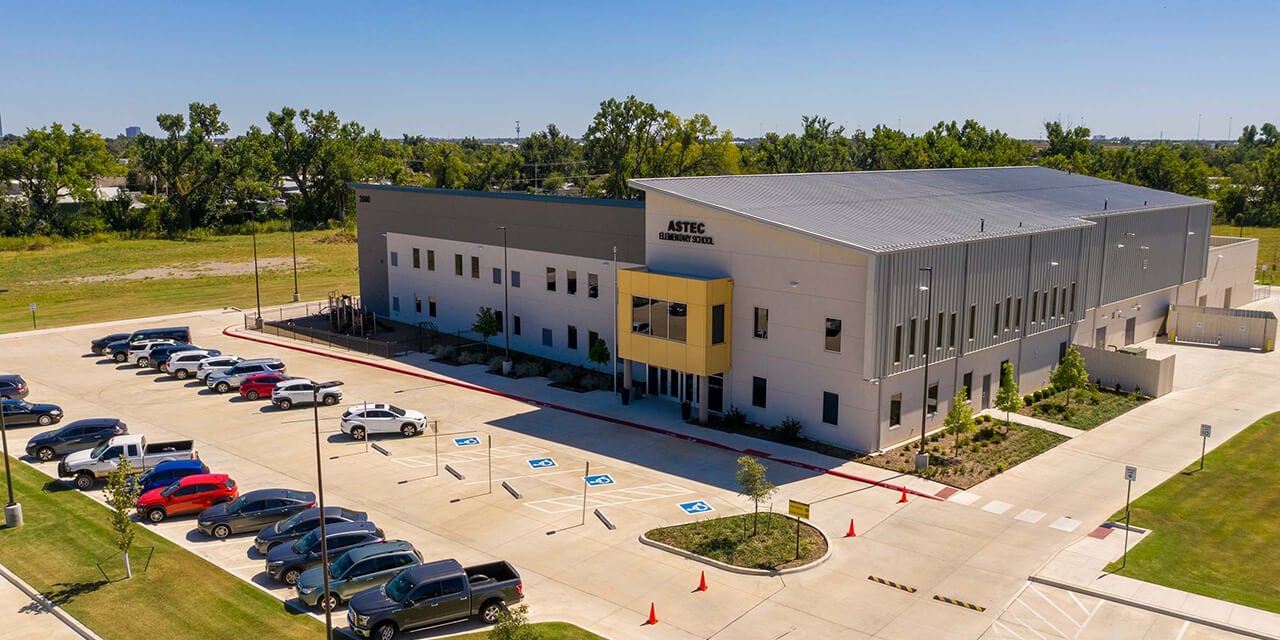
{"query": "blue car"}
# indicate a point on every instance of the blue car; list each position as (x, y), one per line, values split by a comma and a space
(168, 472)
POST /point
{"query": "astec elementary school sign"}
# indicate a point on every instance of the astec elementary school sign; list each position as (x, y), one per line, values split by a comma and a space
(686, 231)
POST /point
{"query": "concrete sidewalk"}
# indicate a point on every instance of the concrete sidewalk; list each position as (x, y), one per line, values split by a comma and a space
(25, 616)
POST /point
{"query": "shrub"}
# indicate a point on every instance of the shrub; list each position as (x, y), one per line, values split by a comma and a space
(734, 419)
(1137, 392)
(985, 433)
(999, 467)
(596, 381)
(529, 368)
(974, 447)
(789, 429)
(1028, 399)
(1069, 413)
(444, 352)
(562, 375)
(470, 357)
(495, 364)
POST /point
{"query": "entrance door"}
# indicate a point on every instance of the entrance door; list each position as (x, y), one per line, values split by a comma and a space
(1100, 338)
(1130, 330)
(715, 393)
(653, 380)
(986, 391)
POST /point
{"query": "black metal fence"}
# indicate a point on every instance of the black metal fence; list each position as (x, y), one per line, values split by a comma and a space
(322, 337)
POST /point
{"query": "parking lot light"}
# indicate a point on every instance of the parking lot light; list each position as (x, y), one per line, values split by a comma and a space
(12, 510)
(324, 543)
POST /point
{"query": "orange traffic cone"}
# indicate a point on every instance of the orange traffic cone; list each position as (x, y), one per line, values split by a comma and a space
(653, 615)
(702, 582)
(904, 495)
(851, 533)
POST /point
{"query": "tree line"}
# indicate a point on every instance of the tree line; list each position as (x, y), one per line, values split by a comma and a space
(193, 176)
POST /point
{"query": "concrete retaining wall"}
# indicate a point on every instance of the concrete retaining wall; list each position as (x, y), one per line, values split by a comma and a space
(1153, 376)
(1238, 328)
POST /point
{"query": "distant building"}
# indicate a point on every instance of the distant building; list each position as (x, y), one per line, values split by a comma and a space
(132, 132)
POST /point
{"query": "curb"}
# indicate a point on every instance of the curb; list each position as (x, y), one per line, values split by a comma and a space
(45, 604)
(735, 569)
(581, 412)
(1172, 613)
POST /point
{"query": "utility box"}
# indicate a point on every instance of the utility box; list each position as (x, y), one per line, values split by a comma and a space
(1141, 352)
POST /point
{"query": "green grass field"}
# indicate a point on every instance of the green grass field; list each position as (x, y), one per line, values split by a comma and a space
(1268, 247)
(1214, 531)
(43, 276)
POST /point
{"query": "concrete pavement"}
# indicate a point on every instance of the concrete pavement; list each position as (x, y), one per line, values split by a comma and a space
(24, 614)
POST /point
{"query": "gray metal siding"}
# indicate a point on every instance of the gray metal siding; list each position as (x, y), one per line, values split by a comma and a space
(1150, 251)
(1199, 220)
(372, 253)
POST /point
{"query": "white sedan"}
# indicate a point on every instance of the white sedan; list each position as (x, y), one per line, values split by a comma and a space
(363, 419)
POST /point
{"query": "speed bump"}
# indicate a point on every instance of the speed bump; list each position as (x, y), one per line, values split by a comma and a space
(959, 603)
(891, 583)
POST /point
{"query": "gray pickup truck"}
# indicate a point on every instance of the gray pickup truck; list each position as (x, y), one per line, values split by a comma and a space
(435, 593)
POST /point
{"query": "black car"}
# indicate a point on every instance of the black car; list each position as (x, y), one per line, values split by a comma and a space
(301, 524)
(20, 413)
(74, 436)
(99, 346)
(286, 562)
(13, 386)
(119, 349)
(253, 511)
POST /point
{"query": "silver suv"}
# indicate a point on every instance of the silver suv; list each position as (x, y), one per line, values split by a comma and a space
(231, 378)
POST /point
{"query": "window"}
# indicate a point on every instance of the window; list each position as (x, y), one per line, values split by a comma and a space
(515, 324)
(1017, 315)
(515, 279)
(1062, 351)
(497, 275)
(951, 331)
(895, 410)
(573, 337)
(417, 258)
(1073, 298)
(395, 259)
(762, 323)
(968, 386)
(417, 304)
(431, 260)
(1044, 306)
(451, 587)
(830, 408)
(973, 315)
(457, 264)
(995, 321)
(931, 403)
(546, 337)
(940, 319)
(759, 392)
(571, 281)
(1064, 302)
(1008, 312)
(593, 285)
(592, 337)
(1035, 298)
(717, 324)
(395, 303)
(924, 338)
(475, 267)
(431, 306)
(911, 339)
(833, 335)
(551, 278)
(1053, 300)
(897, 344)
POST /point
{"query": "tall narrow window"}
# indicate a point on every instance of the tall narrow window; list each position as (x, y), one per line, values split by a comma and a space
(830, 408)
(924, 337)
(417, 304)
(593, 285)
(1073, 298)
(951, 332)
(968, 386)
(833, 334)
(497, 275)
(1035, 297)
(995, 321)
(762, 323)
(759, 391)
(1063, 307)
(546, 338)
(717, 324)
(571, 282)
(395, 259)
(457, 264)
(895, 410)
(932, 402)
(592, 337)
(911, 338)
(431, 306)
(897, 344)
(497, 315)
(1053, 301)
(515, 324)
(1008, 311)
(431, 260)
(973, 316)
(475, 267)
(515, 279)
(1017, 315)
(551, 278)
(573, 337)
(417, 258)
(395, 303)
(939, 343)
(1044, 306)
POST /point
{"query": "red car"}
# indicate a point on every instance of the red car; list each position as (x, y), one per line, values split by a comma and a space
(259, 385)
(191, 494)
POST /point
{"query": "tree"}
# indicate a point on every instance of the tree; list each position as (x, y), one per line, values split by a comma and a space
(599, 353)
(321, 157)
(486, 325)
(620, 140)
(1007, 398)
(959, 420)
(49, 162)
(513, 624)
(1070, 373)
(121, 497)
(754, 485)
(186, 162)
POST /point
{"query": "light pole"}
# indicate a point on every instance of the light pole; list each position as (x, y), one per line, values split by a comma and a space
(615, 322)
(293, 240)
(922, 458)
(257, 291)
(12, 510)
(324, 542)
(506, 306)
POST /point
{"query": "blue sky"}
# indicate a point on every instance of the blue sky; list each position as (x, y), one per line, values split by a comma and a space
(474, 68)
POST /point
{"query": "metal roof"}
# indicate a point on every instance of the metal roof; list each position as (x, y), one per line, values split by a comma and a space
(888, 211)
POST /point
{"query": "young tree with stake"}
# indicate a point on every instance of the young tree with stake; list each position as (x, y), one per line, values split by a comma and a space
(122, 497)
(959, 420)
(1070, 374)
(486, 325)
(754, 485)
(1007, 398)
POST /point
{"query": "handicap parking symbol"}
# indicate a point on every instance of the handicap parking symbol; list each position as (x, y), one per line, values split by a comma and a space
(466, 442)
(697, 506)
(600, 480)
(542, 463)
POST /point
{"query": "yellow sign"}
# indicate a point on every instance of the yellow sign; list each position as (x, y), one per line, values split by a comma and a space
(798, 509)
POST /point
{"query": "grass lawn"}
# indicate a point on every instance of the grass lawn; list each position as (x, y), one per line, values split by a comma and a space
(985, 454)
(42, 276)
(1214, 531)
(1268, 247)
(179, 596)
(545, 630)
(1083, 413)
(729, 539)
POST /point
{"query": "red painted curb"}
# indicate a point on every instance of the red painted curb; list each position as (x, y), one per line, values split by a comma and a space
(547, 405)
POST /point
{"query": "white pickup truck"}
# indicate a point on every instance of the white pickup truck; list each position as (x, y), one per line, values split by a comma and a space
(87, 466)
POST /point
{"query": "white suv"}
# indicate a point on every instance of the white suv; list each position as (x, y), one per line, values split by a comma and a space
(363, 419)
(140, 352)
(234, 375)
(183, 364)
(218, 364)
(302, 391)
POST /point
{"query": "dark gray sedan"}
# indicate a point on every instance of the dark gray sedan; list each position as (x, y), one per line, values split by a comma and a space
(20, 413)
(74, 436)
(286, 562)
(301, 524)
(253, 511)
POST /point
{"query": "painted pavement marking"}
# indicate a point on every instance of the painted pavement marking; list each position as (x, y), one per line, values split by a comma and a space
(965, 498)
(1030, 516)
(1065, 523)
(997, 507)
(476, 455)
(609, 498)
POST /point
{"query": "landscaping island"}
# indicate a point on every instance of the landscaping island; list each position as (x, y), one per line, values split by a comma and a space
(740, 541)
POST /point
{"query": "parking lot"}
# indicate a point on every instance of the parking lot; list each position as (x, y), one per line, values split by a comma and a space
(444, 493)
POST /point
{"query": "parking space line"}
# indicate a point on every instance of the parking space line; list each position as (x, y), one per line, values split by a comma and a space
(527, 475)
(1088, 619)
(1005, 630)
(1055, 606)
(1183, 630)
(482, 455)
(609, 498)
(1026, 626)
(1042, 618)
(1083, 609)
